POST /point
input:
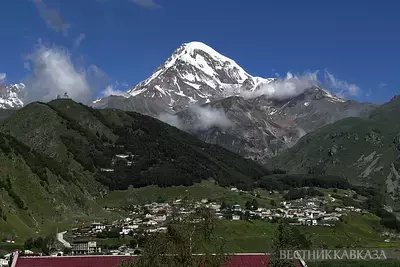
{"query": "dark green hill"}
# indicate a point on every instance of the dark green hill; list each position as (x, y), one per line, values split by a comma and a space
(53, 158)
(87, 140)
(365, 151)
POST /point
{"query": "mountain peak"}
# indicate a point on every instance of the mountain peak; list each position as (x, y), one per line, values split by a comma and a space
(194, 47)
(203, 58)
(194, 73)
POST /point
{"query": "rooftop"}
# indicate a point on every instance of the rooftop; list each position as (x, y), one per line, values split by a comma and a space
(236, 260)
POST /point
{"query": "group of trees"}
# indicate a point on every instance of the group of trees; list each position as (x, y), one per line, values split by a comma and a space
(287, 238)
(113, 233)
(282, 182)
(183, 239)
(297, 193)
(165, 157)
(252, 205)
(42, 243)
(8, 187)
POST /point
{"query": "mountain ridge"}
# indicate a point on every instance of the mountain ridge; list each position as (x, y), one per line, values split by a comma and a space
(195, 81)
(189, 90)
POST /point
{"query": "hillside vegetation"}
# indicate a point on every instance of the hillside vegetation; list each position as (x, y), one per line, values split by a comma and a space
(35, 193)
(51, 156)
(56, 158)
(86, 140)
(364, 151)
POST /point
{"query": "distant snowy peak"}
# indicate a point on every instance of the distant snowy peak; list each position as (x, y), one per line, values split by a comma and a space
(216, 66)
(11, 95)
(196, 73)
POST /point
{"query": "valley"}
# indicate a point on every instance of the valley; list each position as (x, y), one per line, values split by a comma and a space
(68, 167)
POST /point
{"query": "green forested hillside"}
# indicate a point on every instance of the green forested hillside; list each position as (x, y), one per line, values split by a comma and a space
(365, 151)
(52, 156)
(35, 193)
(86, 140)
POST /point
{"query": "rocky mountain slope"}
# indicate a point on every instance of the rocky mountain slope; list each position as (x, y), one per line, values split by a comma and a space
(262, 128)
(11, 96)
(365, 151)
(255, 127)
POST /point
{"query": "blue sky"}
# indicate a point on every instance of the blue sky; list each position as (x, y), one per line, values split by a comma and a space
(356, 41)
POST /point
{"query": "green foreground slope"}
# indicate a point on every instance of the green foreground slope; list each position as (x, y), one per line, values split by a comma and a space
(34, 193)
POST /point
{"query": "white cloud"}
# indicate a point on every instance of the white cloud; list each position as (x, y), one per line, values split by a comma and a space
(382, 85)
(172, 120)
(27, 66)
(53, 73)
(79, 40)
(2, 76)
(290, 86)
(111, 90)
(369, 93)
(146, 3)
(201, 118)
(52, 17)
(207, 117)
(344, 88)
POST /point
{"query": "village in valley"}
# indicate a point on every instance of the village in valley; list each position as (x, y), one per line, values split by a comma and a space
(153, 218)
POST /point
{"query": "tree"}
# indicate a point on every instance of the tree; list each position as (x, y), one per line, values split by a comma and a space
(286, 239)
(29, 243)
(133, 243)
(224, 206)
(248, 205)
(182, 240)
(67, 251)
(45, 244)
(272, 202)
(160, 199)
(254, 203)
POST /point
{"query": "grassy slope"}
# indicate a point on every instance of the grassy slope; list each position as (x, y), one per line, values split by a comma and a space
(256, 236)
(205, 189)
(366, 151)
(46, 204)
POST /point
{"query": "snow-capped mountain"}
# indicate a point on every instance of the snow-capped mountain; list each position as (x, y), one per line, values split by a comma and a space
(195, 73)
(11, 96)
(260, 126)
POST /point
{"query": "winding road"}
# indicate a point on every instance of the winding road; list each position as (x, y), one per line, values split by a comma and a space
(60, 237)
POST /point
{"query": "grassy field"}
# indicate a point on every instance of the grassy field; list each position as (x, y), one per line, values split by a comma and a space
(205, 189)
(256, 236)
